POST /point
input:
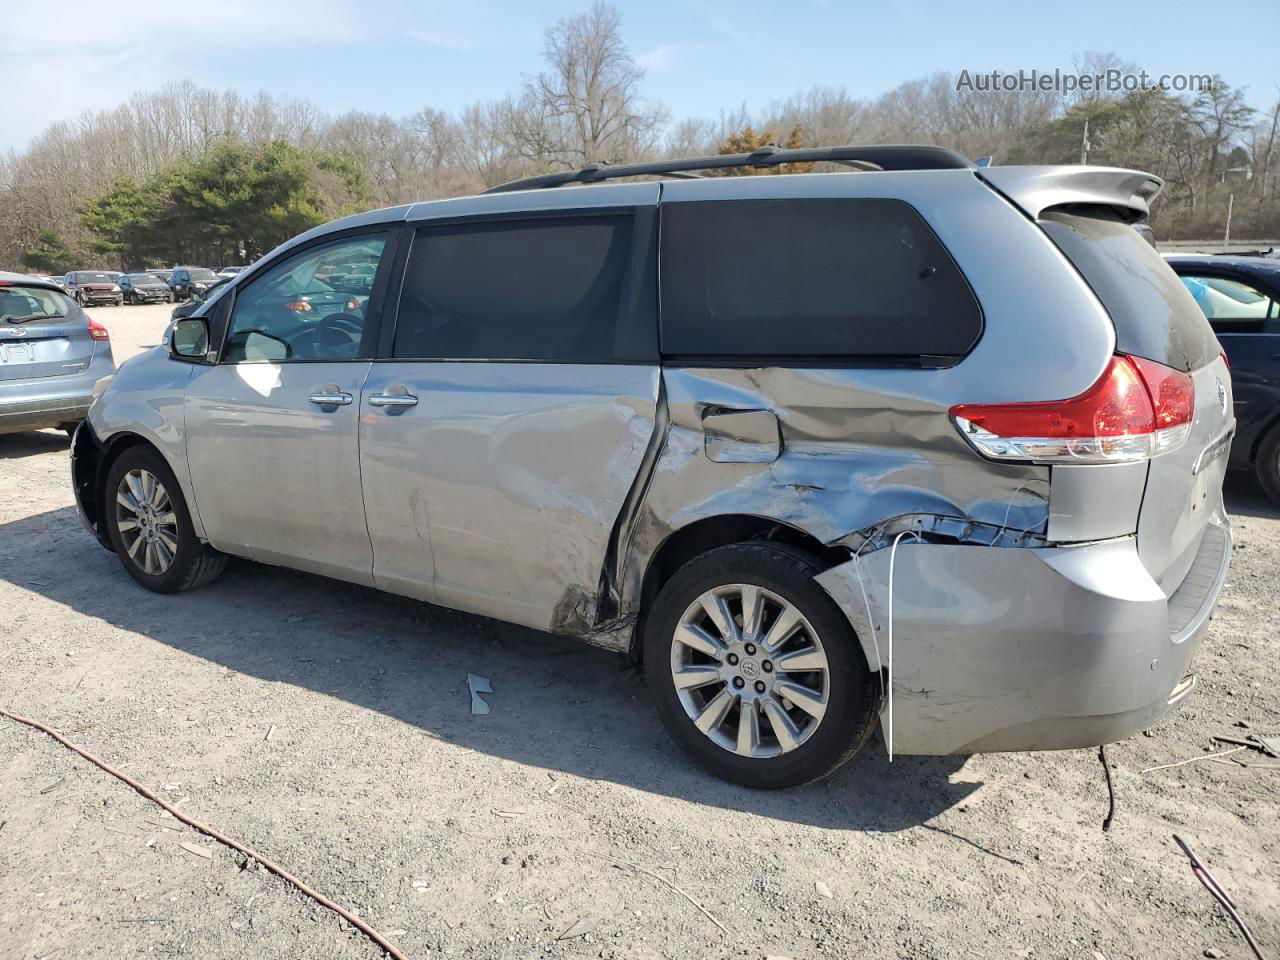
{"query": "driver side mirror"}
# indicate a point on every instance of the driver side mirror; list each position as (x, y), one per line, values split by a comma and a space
(189, 339)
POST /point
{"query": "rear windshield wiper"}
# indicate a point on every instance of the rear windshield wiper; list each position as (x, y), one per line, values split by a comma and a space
(37, 316)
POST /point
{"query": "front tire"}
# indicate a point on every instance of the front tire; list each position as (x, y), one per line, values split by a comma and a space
(755, 671)
(149, 525)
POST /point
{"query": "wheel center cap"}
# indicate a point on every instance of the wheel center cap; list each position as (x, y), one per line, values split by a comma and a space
(749, 669)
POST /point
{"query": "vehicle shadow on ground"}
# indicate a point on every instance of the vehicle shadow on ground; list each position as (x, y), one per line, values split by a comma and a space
(1244, 497)
(557, 703)
(17, 446)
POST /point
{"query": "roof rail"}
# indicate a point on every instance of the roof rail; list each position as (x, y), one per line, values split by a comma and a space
(864, 158)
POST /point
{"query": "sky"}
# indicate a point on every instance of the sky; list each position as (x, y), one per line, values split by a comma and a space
(63, 57)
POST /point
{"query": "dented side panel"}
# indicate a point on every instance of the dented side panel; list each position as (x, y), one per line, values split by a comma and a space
(499, 491)
(857, 448)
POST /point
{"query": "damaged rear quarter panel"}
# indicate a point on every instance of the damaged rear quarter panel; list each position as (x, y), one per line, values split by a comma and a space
(857, 448)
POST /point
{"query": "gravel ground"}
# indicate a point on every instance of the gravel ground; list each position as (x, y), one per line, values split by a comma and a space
(328, 726)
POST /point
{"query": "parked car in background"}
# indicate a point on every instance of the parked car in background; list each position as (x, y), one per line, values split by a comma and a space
(91, 287)
(228, 272)
(51, 355)
(1240, 296)
(165, 275)
(838, 478)
(186, 282)
(192, 305)
(358, 278)
(145, 288)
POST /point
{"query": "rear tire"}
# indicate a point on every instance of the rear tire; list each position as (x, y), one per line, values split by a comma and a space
(763, 708)
(149, 525)
(1268, 465)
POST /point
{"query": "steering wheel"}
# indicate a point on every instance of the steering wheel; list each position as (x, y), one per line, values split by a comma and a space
(339, 331)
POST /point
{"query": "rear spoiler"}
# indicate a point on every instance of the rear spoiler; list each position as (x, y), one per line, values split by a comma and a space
(1036, 189)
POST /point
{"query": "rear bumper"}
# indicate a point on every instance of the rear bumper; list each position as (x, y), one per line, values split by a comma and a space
(1009, 649)
(40, 402)
(41, 412)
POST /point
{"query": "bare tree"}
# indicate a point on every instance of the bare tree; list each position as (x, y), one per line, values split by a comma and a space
(591, 91)
(587, 106)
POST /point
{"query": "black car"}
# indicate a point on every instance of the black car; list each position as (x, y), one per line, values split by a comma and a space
(186, 282)
(1241, 298)
(144, 288)
(190, 307)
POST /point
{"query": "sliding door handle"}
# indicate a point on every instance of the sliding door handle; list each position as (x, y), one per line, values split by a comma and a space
(334, 399)
(393, 400)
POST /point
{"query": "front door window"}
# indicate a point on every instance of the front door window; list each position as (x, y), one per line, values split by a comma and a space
(310, 307)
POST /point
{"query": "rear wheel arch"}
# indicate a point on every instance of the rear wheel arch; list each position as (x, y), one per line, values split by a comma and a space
(709, 533)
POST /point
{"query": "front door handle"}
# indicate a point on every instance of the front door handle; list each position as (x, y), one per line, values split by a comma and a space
(330, 398)
(393, 400)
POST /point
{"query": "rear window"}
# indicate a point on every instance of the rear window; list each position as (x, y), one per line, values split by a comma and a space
(1154, 315)
(537, 289)
(830, 278)
(31, 305)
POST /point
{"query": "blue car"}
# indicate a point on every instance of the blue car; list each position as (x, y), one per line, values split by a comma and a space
(1241, 298)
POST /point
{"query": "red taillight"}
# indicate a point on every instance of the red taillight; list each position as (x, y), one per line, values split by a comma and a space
(1225, 362)
(1137, 409)
(98, 331)
(1173, 393)
(298, 306)
(353, 305)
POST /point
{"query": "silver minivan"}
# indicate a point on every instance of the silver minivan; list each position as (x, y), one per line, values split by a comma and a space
(917, 444)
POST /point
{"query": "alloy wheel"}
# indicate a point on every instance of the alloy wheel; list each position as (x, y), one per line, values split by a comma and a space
(750, 671)
(146, 520)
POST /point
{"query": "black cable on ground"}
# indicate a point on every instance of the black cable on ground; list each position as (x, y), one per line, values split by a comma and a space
(1218, 892)
(1111, 790)
(208, 831)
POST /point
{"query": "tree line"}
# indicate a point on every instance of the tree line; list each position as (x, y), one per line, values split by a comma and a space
(190, 174)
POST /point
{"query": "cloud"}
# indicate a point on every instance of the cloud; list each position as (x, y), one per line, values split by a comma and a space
(658, 57)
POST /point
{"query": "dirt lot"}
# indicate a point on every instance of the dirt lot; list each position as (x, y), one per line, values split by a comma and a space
(493, 836)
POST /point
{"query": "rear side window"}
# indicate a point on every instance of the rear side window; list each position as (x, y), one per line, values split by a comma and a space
(827, 278)
(536, 289)
(1154, 315)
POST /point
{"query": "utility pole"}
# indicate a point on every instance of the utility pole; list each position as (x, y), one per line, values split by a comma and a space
(1084, 143)
(1226, 240)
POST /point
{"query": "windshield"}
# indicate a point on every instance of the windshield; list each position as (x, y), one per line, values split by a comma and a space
(144, 278)
(27, 304)
(94, 278)
(204, 276)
